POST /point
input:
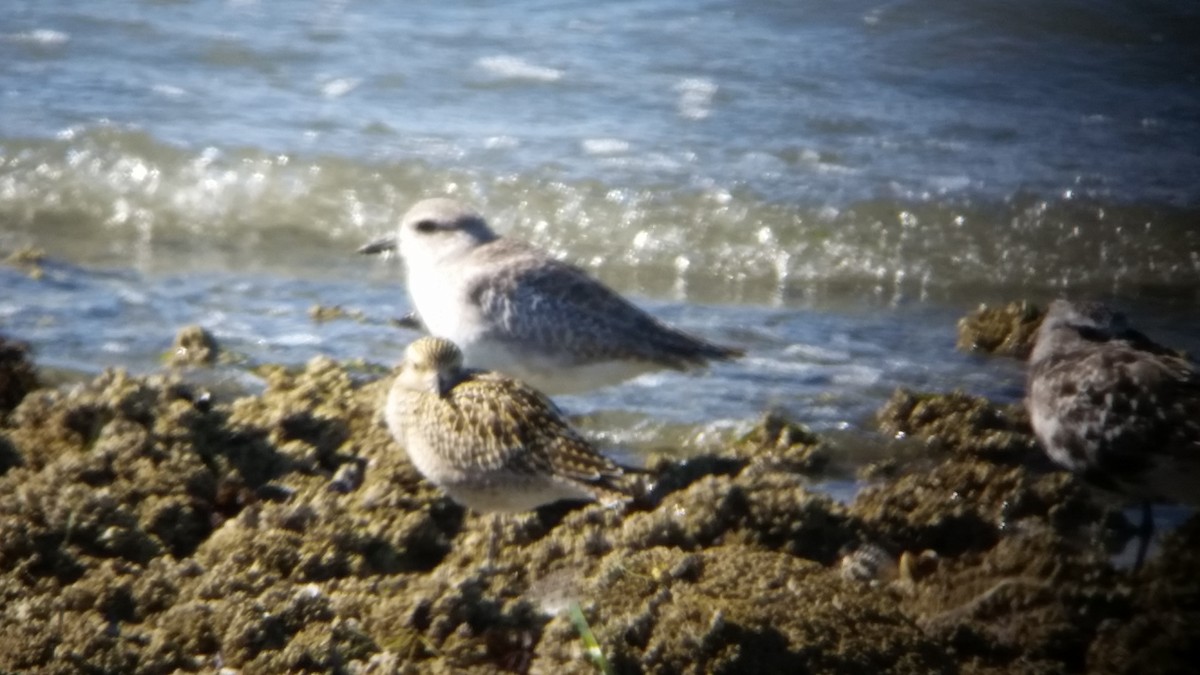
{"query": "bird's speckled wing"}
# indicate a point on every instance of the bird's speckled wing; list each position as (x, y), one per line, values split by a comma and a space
(1116, 407)
(522, 431)
(540, 301)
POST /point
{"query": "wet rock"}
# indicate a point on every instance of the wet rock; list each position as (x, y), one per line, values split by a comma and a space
(969, 505)
(409, 321)
(786, 444)
(1006, 331)
(1158, 635)
(961, 423)
(17, 376)
(324, 313)
(193, 346)
(349, 476)
(28, 259)
(757, 507)
(143, 532)
(739, 609)
(1034, 601)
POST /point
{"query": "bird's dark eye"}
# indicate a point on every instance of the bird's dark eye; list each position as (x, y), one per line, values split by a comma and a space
(426, 226)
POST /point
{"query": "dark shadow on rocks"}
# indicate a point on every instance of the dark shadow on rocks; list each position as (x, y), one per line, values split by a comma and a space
(244, 457)
(9, 457)
(423, 547)
(17, 375)
(671, 475)
(326, 435)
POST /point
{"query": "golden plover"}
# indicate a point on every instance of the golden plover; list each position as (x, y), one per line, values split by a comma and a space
(492, 443)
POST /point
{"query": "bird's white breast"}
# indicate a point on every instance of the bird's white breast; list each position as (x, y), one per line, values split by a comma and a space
(440, 297)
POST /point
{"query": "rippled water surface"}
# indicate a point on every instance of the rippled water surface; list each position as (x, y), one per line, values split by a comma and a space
(828, 184)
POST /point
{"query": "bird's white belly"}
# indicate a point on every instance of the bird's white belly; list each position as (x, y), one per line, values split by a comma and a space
(550, 372)
(488, 490)
(503, 492)
(444, 309)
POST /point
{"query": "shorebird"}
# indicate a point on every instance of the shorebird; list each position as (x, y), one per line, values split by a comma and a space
(1109, 404)
(492, 443)
(511, 307)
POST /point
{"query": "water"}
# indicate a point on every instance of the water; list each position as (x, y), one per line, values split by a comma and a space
(828, 184)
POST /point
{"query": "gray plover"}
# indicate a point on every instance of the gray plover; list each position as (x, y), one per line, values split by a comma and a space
(512, 307)
(492, 443)
(1109, 404)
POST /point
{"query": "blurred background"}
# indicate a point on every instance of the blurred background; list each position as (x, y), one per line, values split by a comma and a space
(827, 183)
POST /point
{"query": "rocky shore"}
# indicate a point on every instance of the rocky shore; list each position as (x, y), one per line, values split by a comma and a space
(147, 526)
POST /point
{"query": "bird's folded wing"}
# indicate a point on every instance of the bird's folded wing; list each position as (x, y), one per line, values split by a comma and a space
(524, 431)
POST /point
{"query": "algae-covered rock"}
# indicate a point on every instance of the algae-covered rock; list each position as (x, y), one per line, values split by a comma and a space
(961, 423)
(28, 259)
(1032, 603)
(325, 313)
(737, 609)
(17, 376)
(1006, 331)
(1158, 635)
(969, 505)
(193, 346)
(778, 440)
(147, 528)
(757, 507)
(133, 470)
(995, 475)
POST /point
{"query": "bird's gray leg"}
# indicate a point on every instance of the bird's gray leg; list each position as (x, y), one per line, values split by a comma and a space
(493, 556)
(1145, 531)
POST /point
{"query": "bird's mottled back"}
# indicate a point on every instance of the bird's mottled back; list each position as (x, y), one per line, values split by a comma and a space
(1108, 403)
(1068, 325)
(541, 301)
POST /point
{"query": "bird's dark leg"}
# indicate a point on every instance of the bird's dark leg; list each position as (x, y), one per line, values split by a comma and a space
(1145, 531)
(494, 544)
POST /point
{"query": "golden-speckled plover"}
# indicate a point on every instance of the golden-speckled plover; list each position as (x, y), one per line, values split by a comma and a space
(1109, 404)
(512, 307)
(492, 443)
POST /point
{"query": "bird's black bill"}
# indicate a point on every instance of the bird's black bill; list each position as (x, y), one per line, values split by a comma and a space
(385, 245)
(410, 321)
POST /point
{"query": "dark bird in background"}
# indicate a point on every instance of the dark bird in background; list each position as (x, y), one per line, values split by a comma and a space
(1109, 404)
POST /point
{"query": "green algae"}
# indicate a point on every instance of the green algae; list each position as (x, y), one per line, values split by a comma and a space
(1004, 331)
(147, 528)
(591, 646)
